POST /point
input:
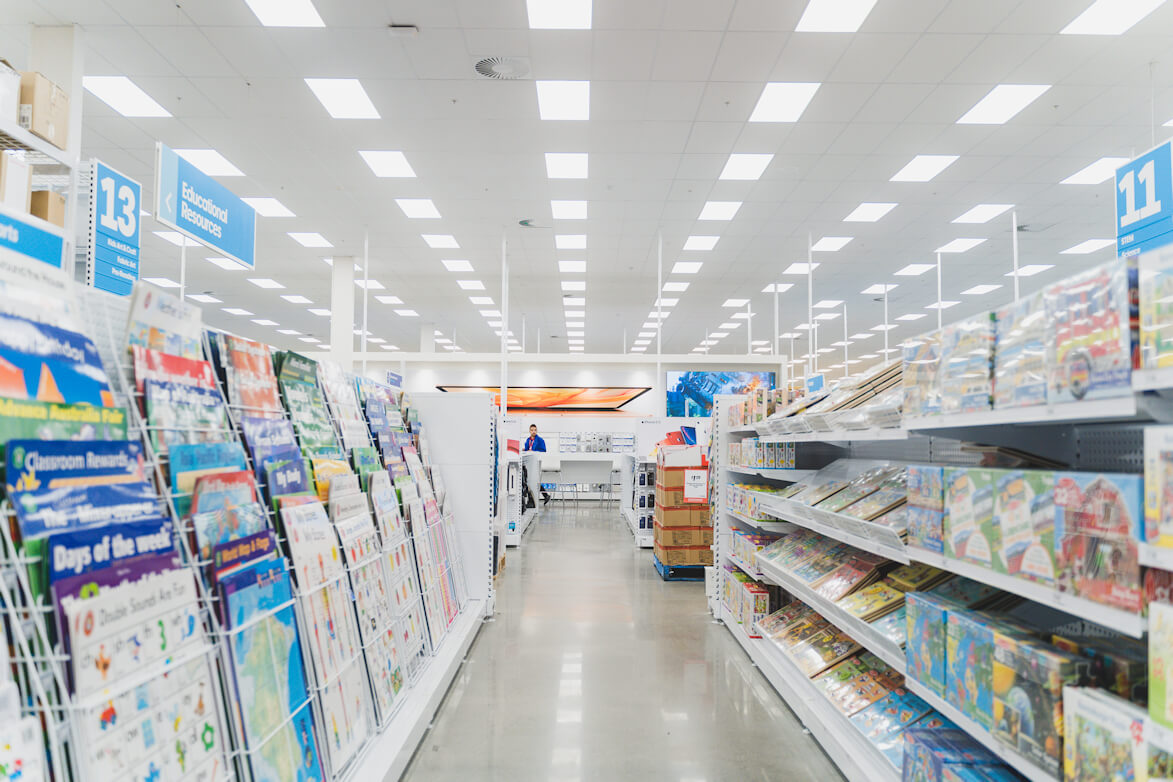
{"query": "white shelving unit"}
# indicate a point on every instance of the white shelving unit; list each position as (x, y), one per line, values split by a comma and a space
(771, 473)
(863, 535)
(857, 758)
(629, 491)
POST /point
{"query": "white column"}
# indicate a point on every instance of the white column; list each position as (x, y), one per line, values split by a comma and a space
(427, 337)
(342, 311)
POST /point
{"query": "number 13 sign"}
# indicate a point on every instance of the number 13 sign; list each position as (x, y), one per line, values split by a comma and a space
(115, 201)
(1144, 201)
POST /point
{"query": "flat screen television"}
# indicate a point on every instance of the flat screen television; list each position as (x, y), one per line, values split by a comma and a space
(691, 394)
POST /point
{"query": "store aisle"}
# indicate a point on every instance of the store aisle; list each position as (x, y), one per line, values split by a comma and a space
(595, 669)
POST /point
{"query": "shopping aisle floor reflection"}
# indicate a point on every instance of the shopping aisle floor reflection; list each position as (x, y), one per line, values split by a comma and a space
(595, 669)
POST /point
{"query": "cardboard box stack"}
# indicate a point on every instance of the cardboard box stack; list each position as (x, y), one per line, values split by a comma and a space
(683, 532)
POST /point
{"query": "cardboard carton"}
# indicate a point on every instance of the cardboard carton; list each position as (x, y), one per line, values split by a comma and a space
(44, 109)
(683, 555)
(683, 517)
(673, 498)
(48, 206)
(684, 536)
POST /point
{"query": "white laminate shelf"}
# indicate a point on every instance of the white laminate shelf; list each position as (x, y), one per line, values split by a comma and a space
(857, 758)
(846, 435)
(1156, 556)
(766, 525)
(864, 535)
(643, 537)
(773, 473)
(744, 566)
(863, 633)
(38, 151)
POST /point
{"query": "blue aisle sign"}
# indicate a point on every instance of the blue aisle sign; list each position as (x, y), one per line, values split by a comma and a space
(1144, 201)
(814, 383)
(116, 199)
(193, 203)
(22, 234)
(394, 379)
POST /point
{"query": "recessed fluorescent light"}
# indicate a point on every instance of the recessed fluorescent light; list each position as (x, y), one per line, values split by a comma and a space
(826, 304)
(980, 290)
(265, 282)
(878, 288)
(391, 300)
(1096, 173)
(1089, 246)
(959, 245)
(203, 298)
(491, 313)
(559, 14)
(834, 16)
(574, 301)
(800, 268)
(943, 305)
(1002, 103)
(268, 207)
(719, 210)
(443, 340)
(297, 299)
(389, 347)
(376, 340)
(457, 265)
(782, 101)
(567, 165)
(569, 210)
(288, 332)
(869, 212)
(1110, 17)
(789, 335)
(658, 315)
(236, 311)
(343, 98)
(311, 340)
(418, 208)
(686, 267)
(718, 335)
(911, 316)
(735, 302)
(665, 302)
(675, 287)
(571, 267)
(573, 285)
(650, 325)
(862, 336)
(827, 316)
(733, 324)
(831, 244)
(564, 100)
(209, 161)
(477, 300)
(700, 243)
(884, 327)
(923, 168)
(1030, 270)
(330, 262)
(370, 285)
(915, 269)
(777, 287)
(646, 334)
(441, 241)
(320, 312)
(309, 239)
(745, 166)
(286, 13)
(124, 96)
(576, 333)
(407, 313)
(387, 163)
(471, 285)
(227, 264)
(265, 322)
(176, 238)
(983, 213)
(642, 342)
(570, 241)
(495, 324)
(162, 282)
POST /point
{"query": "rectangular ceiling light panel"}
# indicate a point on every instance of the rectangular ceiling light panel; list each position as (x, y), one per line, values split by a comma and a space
(124, 96)
(567, 165)
(343, 98)
(1002, 103)
(868, 212)
(387, 163)
(209, 161)
(559, 14)
(783, 101)
(286, 13)
(924, 168)
(564, 100)
(745, 166)
(834, 16)
(983, 213)
(1110, 17)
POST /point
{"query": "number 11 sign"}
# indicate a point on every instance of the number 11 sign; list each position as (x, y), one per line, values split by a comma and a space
(1144, 201)
(115, 201)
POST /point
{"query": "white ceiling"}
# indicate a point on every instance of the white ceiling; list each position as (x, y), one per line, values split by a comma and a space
(672, 85)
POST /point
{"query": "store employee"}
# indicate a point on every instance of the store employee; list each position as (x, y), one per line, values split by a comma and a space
(535, 443)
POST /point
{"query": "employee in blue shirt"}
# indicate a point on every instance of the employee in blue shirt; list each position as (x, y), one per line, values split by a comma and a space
(535, 443)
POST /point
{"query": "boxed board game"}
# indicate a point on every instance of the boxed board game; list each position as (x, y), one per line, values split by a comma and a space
(926, 505)
(966, 354)
(883, 723)
(924, 651)
(1158, 752)
(920, 377)
(1158, 485)
(1104, 737)
(822, 649)
(970, 529)
(1119, 665)
(1097, 534)
(1025, 513)
(969, 662)
(1089, 345)
(945, 755)
(1028, 680)
(1020, 354)
(1155, 284)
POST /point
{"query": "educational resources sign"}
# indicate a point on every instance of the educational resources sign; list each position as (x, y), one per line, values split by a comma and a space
(193, 203)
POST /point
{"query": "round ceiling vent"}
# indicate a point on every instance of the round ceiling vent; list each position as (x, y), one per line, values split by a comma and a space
(503, 68)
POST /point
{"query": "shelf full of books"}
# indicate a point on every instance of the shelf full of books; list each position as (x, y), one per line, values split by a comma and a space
(222, 561)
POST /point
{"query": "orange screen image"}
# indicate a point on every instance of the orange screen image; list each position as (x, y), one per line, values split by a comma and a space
(559, 397)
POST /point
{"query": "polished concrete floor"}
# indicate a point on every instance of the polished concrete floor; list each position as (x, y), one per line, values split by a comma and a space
(595, 669)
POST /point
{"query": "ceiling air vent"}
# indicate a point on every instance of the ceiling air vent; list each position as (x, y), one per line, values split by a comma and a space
(503, 67)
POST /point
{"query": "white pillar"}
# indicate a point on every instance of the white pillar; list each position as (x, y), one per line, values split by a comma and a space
(427, 337)
(342, 311)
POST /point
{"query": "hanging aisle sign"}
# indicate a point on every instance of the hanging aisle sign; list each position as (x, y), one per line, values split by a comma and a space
(25, 235)
(195, 204)
(1144, 201)
(115, 202)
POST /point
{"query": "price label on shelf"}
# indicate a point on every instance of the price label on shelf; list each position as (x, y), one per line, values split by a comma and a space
(696, 485)
(1144, 201)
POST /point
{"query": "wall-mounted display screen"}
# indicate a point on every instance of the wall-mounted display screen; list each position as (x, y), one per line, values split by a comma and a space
(690, 394)
(560, 398)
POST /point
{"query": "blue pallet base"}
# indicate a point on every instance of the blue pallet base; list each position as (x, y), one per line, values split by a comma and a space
(678, 572)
